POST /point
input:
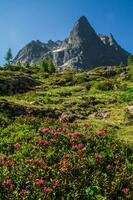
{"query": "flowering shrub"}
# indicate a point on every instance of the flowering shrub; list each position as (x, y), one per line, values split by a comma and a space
(61, 163)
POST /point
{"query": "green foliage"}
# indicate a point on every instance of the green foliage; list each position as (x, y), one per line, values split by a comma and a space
(130, 65)
(121, 65)
(86, 164)
(12, 67)
(130, 59)
(100, 169)
(44, 66)
(51, 67)
(47, 66)
(104, 85)
(8, 56)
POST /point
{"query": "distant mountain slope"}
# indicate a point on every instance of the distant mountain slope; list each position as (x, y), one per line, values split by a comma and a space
(83, 49)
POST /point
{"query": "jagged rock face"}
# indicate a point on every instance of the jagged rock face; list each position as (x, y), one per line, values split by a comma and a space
(83, 49)
(34, 51)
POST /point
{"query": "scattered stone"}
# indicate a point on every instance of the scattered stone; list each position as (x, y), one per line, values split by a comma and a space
(69, 117)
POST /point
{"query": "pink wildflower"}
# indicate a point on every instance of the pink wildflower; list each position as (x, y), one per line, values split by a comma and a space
(74, 147)
(64, 129)
(66, 155)
(69, 134)
(4, 157)
(62, 169)
(1, 164)
(17, 146)
(46, 143)
(47, 189)
(45, 130)
(7, 182)
(101, 133)
(52, 140)
(73, 139)
(55, 133)
(56, 182)
(98, 157)
(76, 134)
(41, 142)
(39, 182)
(126, 190)
(80, 145)
(23, 192)
(88, 138)
(10, 163)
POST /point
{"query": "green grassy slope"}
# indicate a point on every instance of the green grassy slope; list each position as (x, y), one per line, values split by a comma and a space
(68, 137)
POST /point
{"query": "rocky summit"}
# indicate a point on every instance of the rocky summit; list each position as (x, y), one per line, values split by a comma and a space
(83, 49)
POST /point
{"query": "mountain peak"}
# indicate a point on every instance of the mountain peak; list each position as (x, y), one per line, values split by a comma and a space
(82, 19)
(83, 23)
(82, 31)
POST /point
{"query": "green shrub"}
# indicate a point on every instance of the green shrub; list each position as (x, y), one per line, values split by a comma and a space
(130, 67)
(46, 164)
(104, 85)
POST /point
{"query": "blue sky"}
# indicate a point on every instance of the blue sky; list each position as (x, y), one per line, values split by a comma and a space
(24, 20)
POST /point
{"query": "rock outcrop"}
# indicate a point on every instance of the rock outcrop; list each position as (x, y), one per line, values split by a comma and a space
(17, 84)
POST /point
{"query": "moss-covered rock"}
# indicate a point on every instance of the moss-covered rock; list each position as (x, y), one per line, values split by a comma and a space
(17, 84)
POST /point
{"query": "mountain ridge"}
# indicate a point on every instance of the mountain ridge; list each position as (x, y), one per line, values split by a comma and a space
(82, 49)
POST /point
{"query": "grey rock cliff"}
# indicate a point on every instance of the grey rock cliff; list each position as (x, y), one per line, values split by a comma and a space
(83, 49)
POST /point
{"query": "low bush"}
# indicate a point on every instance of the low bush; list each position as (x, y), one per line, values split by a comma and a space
(104, 85)
(65, 163)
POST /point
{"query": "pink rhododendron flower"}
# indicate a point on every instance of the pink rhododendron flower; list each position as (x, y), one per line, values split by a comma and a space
(10, 163)
(37, 161)
(1, 164)
(80, 145)
(45, 167)
(62, 169)
(81, 154)
(74, 147)
(45, 143)
(88, 138)
(41, 142)
(23, 192)
(73, 139)
(7, 182)
(55, 133)
(45, 130)
(56, 182)
(4, 157)
(101, 133)
(47, 189)
(66, 155)
(52, 140)
(59, 129)
(17, 146)
(98, 157)
(126, 190)
(109, 166)
(68, 134)
(76, 134)
(39, 182)
(64, 129)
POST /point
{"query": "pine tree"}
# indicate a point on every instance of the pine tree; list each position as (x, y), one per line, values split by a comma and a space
(51, 67)
(44, 66)
(8, 56)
